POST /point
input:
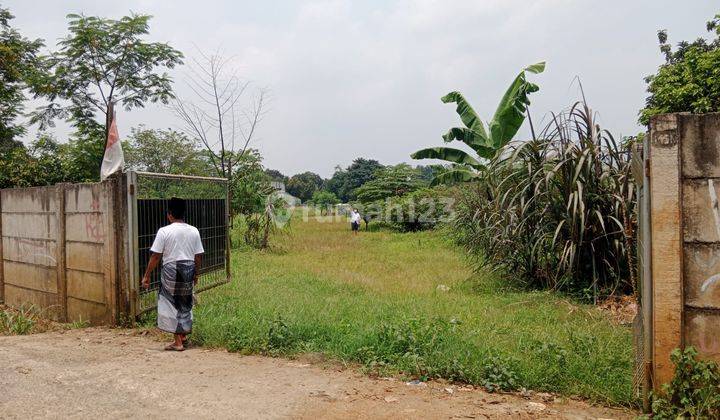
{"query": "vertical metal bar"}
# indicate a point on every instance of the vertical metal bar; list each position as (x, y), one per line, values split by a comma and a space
(646, 275)
(2, 262)
(228, 275)
(61, 254)
(132, 228)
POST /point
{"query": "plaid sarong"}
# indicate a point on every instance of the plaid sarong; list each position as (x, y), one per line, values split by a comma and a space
(175, 300)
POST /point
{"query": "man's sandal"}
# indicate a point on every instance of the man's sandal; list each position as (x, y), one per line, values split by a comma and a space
(173, 347)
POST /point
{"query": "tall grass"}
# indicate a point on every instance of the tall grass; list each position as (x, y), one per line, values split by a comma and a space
(377, 300)
(557, 211)
(19, 321)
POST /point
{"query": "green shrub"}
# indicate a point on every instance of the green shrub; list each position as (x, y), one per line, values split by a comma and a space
(418, 210)
(280, 337)
(688, 80)
(557, 212)
(694, 391)
(17, 322)
(498, 376)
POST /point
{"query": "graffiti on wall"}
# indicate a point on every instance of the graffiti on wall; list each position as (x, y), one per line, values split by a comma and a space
(94, 222)
(34, 249)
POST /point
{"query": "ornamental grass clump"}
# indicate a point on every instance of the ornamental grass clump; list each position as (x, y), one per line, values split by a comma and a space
(558, 212)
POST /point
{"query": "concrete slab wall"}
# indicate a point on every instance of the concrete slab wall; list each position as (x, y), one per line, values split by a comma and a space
(29, 239)
(58, 250)
(684, 169)
(700, 163)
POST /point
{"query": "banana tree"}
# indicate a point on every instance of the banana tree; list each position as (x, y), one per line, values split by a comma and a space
(507, 120)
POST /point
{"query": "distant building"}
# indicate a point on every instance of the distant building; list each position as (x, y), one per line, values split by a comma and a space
(278, 185)
(290, 199)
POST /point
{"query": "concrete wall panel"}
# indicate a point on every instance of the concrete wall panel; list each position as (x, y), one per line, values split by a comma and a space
(18, 297)
(32, 277)
(701, 145)
(702, 275)
(702, 331)
(701, 217)
(33, 251)
(29, 226)
(85, 256)
(86, 286)
(85, 227)
(82, 310)
(39, 200)
(85, 198)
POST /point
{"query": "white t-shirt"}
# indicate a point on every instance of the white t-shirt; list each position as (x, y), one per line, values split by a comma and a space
(355, 217)
(177, 242)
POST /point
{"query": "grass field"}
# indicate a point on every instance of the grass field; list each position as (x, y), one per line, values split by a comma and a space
(374, 300)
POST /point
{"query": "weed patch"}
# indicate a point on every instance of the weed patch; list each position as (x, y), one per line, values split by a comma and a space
(694, 391)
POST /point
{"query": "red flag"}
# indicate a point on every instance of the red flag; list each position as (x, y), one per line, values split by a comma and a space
(113, 160)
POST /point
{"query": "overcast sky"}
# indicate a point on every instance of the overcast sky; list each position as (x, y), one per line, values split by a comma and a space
(364, 78)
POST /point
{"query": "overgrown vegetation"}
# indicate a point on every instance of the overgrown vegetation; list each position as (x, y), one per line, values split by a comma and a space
(557, 211)
(694, 391)
(380, 300)
(688, 81)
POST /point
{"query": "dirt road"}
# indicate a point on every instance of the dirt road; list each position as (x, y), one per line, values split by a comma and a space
(103, 373)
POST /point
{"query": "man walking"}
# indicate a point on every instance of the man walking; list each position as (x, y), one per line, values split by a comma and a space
(180, 247)
(355, 221)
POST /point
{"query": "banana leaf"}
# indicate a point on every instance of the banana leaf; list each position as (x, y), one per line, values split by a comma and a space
(474, 135)
(510, 113)
(454, 176)
(448, 154)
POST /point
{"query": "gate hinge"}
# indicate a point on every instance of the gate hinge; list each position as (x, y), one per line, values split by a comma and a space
(132, 189)
(647, 168)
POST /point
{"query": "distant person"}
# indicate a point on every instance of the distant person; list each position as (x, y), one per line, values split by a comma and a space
(355, 221)
(181, 250)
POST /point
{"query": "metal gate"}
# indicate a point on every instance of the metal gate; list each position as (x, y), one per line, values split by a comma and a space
(207, 209)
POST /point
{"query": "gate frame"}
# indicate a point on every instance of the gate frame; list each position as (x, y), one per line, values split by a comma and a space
(643, 331)
(131, 239)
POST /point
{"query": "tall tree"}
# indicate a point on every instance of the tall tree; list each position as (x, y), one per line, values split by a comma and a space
(276, 175)
(224, 114)
(304, 185)
(250, 184)
(103, 61)
(391, 181)
(344, 182)
(689, 80)
(166, 151)
(18, 62)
